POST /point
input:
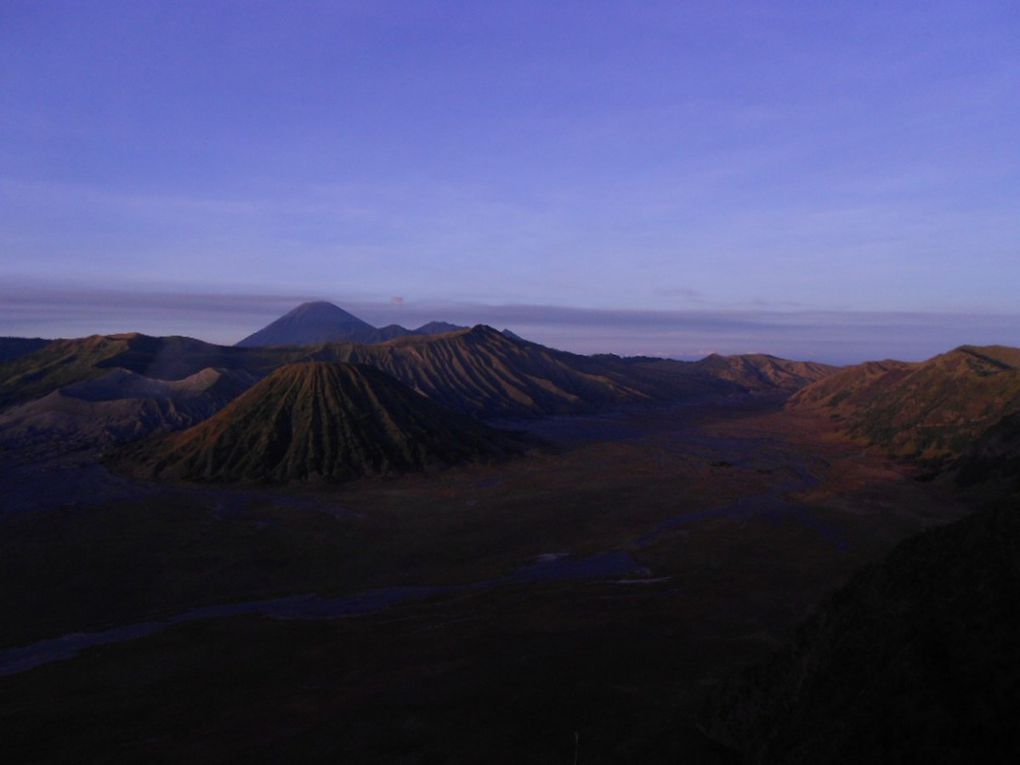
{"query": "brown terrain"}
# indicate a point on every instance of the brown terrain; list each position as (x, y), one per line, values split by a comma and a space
(652, 581)
(931, 410)
(598, 589)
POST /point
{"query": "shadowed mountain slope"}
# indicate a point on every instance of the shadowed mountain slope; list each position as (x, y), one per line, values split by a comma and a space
(914, 660)
(319, 421)
(14, 347)
(931, 410)
(995, 455)
(118, 407)
(59, 363)
(482, 372)
(63, 362)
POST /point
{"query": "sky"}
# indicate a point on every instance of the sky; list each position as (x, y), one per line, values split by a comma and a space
(837, 180)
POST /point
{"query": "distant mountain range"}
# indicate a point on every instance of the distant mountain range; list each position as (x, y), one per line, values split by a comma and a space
(934, 410)
(101, 392)
(477, 371)
(322, 322)
(319, 421)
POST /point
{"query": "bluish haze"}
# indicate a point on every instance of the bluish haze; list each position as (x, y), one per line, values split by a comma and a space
(669, 178)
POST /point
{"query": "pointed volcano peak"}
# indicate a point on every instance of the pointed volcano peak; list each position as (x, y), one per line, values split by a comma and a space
(486, 332)
(314, 322)
(321, 309)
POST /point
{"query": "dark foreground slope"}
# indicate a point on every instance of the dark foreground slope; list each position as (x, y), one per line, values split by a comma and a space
(995, 456)
(913, 661)
(932, 410)
(318, 421)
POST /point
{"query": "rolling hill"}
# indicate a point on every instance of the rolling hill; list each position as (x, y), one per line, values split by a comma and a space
(933, 410)
(318, 421)
(63, 362)
(761, 372)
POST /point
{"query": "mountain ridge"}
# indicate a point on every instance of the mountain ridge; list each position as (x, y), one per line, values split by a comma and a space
(931, 410)
(477, 370)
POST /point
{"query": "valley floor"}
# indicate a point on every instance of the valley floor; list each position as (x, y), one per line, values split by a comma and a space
(577, 601)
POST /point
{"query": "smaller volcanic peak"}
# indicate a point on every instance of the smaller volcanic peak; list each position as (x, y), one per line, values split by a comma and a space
(438, 328)
(389, 332)
(319, 421)
(310, 323)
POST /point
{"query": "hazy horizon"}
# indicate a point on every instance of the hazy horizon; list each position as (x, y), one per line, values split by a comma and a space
(837, 337)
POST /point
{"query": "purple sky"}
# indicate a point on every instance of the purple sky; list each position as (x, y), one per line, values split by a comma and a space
(833, 180)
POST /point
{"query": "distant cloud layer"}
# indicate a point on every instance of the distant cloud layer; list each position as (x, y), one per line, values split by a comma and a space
(833, 336)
